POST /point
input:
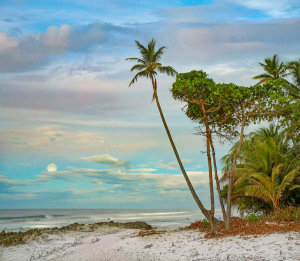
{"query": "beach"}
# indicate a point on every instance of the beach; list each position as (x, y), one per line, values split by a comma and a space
(113, 243)
(166, 235)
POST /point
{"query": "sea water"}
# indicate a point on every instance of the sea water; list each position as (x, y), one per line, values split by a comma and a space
(25, 219)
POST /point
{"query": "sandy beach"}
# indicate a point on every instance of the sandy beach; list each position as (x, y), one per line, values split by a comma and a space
(109, 243)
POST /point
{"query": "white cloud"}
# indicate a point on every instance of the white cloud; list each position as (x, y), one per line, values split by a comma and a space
(274, 8)
(5, 180)
(57, 175)
(143, 170)
(34, 50)
(57, 38)
(51, 137)
(6, 42)
(129, 180)
(162, 165)
(107, 159)
(171, 165)
(177, 181)
(112, 185)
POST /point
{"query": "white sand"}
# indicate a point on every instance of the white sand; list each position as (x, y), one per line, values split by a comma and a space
(121, 244)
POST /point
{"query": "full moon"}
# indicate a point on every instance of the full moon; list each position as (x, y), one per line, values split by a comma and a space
(52, 167)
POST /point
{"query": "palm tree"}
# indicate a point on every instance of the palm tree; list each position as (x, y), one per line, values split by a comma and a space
(273, 70)
(276, 70)
(148, 66)
(267, 173)
(270, 189)
(294, 71)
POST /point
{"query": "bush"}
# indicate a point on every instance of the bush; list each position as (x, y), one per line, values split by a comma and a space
(206, 222)
(286, 214)
(253, 218)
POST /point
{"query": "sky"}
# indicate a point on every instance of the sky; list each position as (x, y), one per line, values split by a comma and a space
(64, 95)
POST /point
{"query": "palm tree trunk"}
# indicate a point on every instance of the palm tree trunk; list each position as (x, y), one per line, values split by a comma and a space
(195, 196)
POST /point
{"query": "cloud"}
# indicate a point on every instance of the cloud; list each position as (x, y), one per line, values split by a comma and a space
(108, 185)
(228, 11)
(7, 42)
(162, 165)
(6, 181)
(18, 195)
(56, 175)
(57, 38)
(30, 51)
(107, 159)
(81, 140)
(217, 43)
(171, 165)
(278, 8)
(218, 12)
(128, 181)
(51, 137)
(8, 192)
(143, 170)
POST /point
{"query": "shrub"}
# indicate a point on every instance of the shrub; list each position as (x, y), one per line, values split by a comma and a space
(253, 218)
(206, 222)
(286, 214)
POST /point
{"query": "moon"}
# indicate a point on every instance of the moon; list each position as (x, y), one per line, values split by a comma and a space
(52, 167)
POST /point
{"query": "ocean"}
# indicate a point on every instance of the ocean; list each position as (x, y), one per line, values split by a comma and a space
(25, 219)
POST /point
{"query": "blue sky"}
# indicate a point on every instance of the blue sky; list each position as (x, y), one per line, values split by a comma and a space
(64, 95)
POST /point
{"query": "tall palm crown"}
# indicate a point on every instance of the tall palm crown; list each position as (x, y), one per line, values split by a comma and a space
(148, 65)
(274, 69)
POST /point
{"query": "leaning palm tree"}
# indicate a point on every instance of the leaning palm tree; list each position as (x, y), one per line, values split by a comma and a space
(148, 66)
(274, 69)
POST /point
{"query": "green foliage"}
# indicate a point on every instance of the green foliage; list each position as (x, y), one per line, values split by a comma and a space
(224, 102)
(287, 214)
(277, 70)
(290, 121)
(267, 174)
(195, 87)
(148, 64)
(206, 222)
(253, 218)
(294, 71)
(274, 69)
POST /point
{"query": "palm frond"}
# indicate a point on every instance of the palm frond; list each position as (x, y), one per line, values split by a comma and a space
(294, 70)
(136, 59)
(274, 69)
(148, 64)
(144, 73)
(294, 187)
(261, 179)
(143, 50)
(138, 67)
(288, 179)
(259, 193)
(168, 70)
(264, 77)
(159, 53)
